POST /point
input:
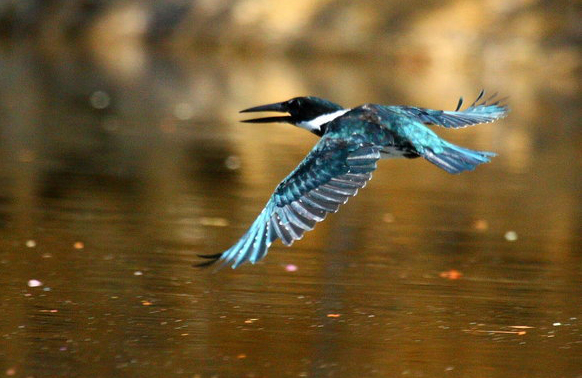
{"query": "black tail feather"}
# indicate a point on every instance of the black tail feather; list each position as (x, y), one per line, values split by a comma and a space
(211, 260)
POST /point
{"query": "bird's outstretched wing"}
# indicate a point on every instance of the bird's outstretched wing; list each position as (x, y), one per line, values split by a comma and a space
(332, 172)
(478, 112)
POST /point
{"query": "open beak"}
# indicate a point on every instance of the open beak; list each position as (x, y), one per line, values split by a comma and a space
(277, 107)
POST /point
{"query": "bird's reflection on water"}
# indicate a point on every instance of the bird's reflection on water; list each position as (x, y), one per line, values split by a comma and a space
(112, 185)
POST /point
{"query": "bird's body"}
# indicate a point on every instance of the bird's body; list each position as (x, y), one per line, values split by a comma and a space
(352, 141)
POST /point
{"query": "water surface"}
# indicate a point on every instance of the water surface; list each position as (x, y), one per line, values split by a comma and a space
(113, 181)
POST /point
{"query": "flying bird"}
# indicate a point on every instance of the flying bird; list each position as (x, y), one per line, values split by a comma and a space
(352, 141)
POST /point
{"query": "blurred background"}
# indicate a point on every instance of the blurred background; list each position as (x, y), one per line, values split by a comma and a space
(122, 158)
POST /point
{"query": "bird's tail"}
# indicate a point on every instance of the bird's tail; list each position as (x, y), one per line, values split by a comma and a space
(456, 159)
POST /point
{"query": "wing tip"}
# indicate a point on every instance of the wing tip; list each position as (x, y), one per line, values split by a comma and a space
(211, 260)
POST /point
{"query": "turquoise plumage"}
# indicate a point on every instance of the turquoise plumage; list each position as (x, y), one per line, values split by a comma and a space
(352, 141)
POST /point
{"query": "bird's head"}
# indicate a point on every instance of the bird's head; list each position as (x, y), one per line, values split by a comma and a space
(310, 113)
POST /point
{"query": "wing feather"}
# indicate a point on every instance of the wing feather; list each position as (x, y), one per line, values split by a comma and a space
(320, 203)
(308, 212)
(478, 112)
(281, 231)
(332, 173)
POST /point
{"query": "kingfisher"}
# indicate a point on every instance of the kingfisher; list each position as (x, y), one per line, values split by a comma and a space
(352, 140)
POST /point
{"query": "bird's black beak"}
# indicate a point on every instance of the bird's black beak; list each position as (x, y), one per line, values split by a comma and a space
(276, 107)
